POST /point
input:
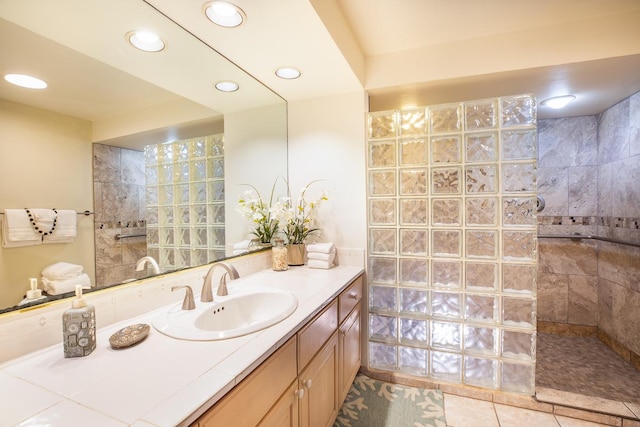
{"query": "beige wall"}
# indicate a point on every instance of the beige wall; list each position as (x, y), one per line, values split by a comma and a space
(45, 163)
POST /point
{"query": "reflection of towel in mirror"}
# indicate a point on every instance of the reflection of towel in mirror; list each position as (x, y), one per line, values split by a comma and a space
(61, 271)
(241, 247)
(56, 287)
(319, 263)
(66, 228)
(17, 230)
(323, 248)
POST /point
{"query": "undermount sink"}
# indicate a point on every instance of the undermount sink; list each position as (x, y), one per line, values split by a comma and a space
(239, 313)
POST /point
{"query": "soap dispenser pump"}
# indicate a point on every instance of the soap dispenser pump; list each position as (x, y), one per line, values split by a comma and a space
(79, 327)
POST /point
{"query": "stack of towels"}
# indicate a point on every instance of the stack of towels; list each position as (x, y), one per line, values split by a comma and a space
(63, 277)
(321, 255)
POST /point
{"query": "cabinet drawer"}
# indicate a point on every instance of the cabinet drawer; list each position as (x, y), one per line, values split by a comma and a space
(313, 336)
(349, 298)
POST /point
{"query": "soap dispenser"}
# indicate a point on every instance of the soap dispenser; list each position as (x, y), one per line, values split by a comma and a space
(79, 327)
(33, 294)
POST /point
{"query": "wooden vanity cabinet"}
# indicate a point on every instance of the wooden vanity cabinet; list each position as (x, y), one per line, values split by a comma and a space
(349, 353)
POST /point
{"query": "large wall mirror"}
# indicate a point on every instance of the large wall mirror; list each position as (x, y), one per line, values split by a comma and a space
(80, 143)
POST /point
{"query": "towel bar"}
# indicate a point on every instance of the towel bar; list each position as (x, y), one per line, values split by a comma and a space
(587, 237)
(127, 236)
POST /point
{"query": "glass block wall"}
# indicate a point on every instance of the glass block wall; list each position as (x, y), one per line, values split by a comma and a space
(452, 242)
(185, 201)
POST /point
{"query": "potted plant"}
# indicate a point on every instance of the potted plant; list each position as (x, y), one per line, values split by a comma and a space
(253, 207)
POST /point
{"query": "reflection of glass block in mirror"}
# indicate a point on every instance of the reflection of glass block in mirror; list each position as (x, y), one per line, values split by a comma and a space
(165, 154)
(215, 145)
(518, 278)
(413, 152)
(413, 182)
(519, 211)
(216, 236)
(383, 328)
(519, 245)
(153, 236)
(413, 211)
(412, 122)
(481, 340)
(165, 193)
(519, 312)
(151, 215)
(518, 177)
(482, 276)
(481, 211)
(382, 241)
(481, 147)
(199, 237)
(446, 274)
(151, 196)
(445, 118)
(382, 356)
(215, 168)
(413, 272)
(197, 147)
(151, 174)
(199, 257)
(382, 212)
(198, 170)
(166, 236)
(182, 150)
(166, 215)
(445, 149)
(519, 144)
(165, 174)
(481, 243)
(414, 241)
(198, 192)
(183, 236)
(445, 366)
(481, 114)
(215, 213)
(445, 180)
(216, 190)
(446, 212)
(518, 110)
(383, 298)
(151, 154)
(413, 361)
(382, 125)
(517, 377)
(481, 308)
(182, 258)
(382, 154)
(481, 179)
(182, 214)
(216, 254)
(382, 270)
(182, 172)
(181, 193)
(446, 335)
(480, 372)
(382, 183)
(414, 331)
(414, 301)
(446, 243)
(199, 214)
(167, 257)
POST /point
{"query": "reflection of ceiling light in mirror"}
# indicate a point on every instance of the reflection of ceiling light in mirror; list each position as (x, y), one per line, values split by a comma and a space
(224, 14)
(23, 80)
(287, 73)
(146, 40)
(558, 102)
(227, 86)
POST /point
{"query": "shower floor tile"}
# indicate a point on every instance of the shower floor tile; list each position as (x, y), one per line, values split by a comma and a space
(585, 365)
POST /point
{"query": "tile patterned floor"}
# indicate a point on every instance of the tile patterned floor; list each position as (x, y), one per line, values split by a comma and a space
(584, 365)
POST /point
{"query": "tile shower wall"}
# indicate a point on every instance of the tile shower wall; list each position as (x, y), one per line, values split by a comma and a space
(118, 188)
(185, 201)
(453, 242)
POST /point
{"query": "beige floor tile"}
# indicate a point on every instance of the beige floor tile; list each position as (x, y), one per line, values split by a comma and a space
(465, 412)
(572, 422)
(510, 416)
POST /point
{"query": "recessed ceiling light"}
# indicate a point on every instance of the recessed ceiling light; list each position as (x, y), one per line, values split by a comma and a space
(227, 86)
(224, 14)
(146, 41)
(23, 80)
(558, 102)
(288, 73)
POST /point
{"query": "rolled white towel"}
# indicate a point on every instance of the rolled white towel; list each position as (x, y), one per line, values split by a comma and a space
(66, 228)
(323, 248)
(17, 229)
(319, 263)
(61, 271)
(322, 256)
(56, 287)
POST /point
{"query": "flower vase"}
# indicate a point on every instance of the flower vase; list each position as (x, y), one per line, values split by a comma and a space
(295, 254)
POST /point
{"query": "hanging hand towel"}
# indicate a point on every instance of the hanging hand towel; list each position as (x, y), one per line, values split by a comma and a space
(17, 230)
(61, 271)
(318, 263)
(66, 228)
(323, 248)
(56, 287)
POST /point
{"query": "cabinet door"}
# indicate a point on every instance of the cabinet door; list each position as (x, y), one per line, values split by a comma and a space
(285, 412)
(349, 351)
(319, 404)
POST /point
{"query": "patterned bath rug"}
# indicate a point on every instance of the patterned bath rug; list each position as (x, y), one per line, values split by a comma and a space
(372, 403)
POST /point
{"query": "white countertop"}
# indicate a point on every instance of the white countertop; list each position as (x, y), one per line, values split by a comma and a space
(162, 381)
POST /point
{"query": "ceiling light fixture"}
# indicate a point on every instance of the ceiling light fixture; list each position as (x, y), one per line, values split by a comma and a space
(288, 73)
(227, 86)
(558, 102)
(26, 81)
(146, 41)
(225, 14)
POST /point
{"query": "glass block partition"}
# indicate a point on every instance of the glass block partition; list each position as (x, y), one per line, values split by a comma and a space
(452, 242)
(185, 201)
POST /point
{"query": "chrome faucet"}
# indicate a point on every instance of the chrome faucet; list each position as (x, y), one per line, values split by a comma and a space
(148, 259)
(207, 295)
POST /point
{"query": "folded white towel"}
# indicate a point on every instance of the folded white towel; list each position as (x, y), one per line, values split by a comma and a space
(319, 255)
(61, 271)
(242, 245)
(319, 263)
(17, 229)
(324, 248)
(56, 287)
(66, 228)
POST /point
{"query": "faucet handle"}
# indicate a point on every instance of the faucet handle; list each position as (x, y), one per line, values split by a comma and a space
(188, 303)
(222, 286)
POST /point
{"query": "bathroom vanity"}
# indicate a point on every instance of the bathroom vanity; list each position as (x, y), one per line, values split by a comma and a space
(296, 372)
